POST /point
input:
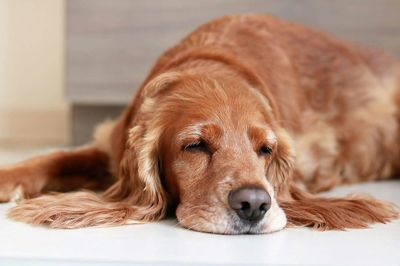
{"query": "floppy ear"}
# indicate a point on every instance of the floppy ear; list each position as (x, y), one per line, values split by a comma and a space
(321, 213)
(280, 170)
(136, 197)
(139, 181)
(160, 83)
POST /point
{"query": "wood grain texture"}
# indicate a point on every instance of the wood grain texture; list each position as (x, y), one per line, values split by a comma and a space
(112, 44)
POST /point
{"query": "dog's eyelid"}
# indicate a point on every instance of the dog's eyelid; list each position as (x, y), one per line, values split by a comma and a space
(192, 144)
(196, 145)
(265, 150)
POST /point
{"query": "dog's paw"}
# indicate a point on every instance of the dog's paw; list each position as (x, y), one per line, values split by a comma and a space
(9, 191)
(14, 188)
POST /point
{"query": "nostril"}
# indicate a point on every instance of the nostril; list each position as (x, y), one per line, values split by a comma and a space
(264, 207)
(245, 206)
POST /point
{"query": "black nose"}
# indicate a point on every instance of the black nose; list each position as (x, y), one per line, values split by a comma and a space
(250, 203)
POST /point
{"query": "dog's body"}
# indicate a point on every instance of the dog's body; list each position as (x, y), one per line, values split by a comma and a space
(240, 99)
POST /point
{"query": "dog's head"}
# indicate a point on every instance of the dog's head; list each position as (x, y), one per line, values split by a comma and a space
(212, 149)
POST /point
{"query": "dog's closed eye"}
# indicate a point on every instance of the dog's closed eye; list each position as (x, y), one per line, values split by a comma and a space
(197, 146)
(265, 151)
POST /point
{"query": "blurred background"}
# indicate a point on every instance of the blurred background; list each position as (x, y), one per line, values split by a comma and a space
(65, 65)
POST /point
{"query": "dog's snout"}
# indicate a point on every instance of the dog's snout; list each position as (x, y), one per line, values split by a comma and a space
(250, 203)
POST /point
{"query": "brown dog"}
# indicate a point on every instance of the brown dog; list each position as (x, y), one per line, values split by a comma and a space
(232, 130)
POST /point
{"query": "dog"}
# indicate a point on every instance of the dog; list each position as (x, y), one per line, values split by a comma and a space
(235, 130)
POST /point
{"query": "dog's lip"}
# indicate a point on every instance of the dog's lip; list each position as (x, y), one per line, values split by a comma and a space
(236, 227)
(251, 230)
(241, 227)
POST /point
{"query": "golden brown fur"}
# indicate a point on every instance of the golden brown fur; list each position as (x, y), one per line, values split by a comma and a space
(327, 110)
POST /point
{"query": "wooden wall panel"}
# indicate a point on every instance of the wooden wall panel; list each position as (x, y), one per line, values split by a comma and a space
(112, 44)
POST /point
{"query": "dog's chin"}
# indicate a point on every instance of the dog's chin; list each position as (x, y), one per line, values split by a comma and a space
(231, 224)
(274, 220)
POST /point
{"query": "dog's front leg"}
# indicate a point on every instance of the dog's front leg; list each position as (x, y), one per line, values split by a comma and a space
(59, 171)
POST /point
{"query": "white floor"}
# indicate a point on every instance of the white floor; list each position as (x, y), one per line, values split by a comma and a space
(165, 243)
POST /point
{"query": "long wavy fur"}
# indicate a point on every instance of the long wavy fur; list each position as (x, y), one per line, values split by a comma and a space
(320, 213)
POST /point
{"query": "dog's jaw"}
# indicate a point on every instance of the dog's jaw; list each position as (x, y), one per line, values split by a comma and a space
(225, 221)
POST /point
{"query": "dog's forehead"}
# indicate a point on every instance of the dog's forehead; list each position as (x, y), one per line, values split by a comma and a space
(200, 129)
(234, 114)
(218, 131)
(214, 110)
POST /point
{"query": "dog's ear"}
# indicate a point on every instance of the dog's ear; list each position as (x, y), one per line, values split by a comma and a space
(280, 169)
(322, 213)
(137, 196)
(305, 209)
(161, 82)
(139, 181)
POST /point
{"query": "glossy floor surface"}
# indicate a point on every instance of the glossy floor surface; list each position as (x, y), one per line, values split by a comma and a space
(166, 243)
